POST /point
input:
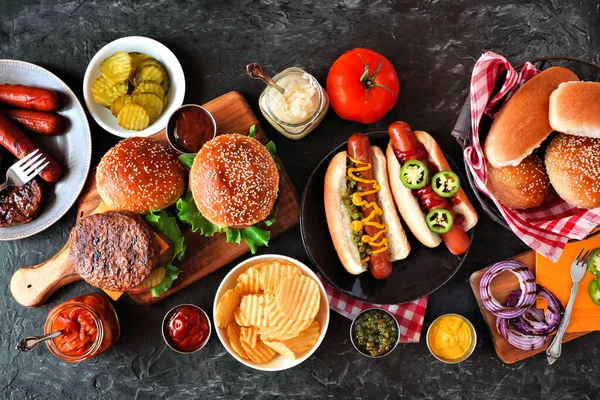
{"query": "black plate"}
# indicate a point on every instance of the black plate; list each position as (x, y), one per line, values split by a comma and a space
(421, 273)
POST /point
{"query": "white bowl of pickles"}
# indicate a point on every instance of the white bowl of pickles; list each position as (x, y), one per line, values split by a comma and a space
(132, 86)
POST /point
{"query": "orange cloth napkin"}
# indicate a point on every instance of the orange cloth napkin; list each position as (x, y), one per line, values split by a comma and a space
(556, 277)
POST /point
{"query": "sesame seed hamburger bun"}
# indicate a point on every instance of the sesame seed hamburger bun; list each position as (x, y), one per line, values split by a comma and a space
(234, 181)
(573, 166)
(523, 122)
(140, 175)
(521, 187)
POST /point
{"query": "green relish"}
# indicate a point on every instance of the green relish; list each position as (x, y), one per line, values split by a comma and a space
(375, 332)
(355, 214)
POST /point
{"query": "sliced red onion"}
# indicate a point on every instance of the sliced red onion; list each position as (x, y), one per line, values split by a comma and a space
(535, 321)
(526, 283)
(516, 338)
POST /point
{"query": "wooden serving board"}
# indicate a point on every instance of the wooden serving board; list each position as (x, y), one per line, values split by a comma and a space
(501, 286)
(31, 286)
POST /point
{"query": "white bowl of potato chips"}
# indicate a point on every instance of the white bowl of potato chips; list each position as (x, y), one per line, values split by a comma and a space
(271, 312)
(132, 86)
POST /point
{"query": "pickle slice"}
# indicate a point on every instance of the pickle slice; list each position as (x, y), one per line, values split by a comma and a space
(149, 73)
(154, 278)
(152, 87)
(105, 91)
(151, 103)
(118, 104)
(138, 58)
(165, 82)
(117, 68)
(133, 117)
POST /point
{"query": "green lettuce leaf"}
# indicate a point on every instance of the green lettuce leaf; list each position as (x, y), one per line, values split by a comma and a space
(253, 236)
(171, 274)
(271, 218)
(162, 222)
(188, 212)
(252, 132)
(187, 160)
(272, 148)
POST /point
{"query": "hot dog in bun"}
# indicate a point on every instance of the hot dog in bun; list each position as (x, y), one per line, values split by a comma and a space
(426, 191)
(363, 223)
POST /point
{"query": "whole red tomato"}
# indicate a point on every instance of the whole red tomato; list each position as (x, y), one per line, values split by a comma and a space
(362, 86)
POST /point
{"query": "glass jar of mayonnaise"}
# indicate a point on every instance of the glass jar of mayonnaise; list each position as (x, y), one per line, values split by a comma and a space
(300, 108)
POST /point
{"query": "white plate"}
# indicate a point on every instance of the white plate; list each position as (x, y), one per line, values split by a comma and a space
(279, 362)
(154, 49)
(72, 148)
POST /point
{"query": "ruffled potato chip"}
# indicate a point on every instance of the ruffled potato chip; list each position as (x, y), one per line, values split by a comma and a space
(233, 334)
(298, 297)
(225, 308)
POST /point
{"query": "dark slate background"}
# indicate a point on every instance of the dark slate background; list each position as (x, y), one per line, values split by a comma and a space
(433, 45)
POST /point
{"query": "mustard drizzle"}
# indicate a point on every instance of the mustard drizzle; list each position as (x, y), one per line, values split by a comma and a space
(357, 200)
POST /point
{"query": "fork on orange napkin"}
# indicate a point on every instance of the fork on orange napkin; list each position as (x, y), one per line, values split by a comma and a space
(556, 278)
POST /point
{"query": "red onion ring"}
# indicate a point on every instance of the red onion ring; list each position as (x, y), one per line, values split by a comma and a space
(541, 323)
(516, 338)
(526, 283)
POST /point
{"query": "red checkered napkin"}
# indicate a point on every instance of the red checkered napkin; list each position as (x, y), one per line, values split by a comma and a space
(410, 315)
(546, 228)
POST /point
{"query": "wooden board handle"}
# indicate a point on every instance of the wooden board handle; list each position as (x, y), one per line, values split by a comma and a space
(31, 286)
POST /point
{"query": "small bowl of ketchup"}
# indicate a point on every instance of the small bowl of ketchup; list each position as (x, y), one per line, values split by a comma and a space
(186, 328)
(189, 127)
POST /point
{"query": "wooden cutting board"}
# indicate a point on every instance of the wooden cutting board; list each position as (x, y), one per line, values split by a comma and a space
(501, 286)
(32, 286)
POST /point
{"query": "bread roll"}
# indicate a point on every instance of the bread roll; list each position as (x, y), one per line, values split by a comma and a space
(522, 124)
(521, 187)
(338, 219)
(573, 166)
(575, 109)
(139, 175)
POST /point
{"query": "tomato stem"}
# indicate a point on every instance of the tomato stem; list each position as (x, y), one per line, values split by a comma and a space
(368, 81)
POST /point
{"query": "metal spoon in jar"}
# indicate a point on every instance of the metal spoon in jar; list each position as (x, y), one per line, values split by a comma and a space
(29, 343)
(256, 72)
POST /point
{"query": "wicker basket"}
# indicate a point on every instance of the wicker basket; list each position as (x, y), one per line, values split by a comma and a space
(585, 70)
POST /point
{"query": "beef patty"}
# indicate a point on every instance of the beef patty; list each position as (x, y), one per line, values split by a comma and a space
(21, 204)
(114, 250)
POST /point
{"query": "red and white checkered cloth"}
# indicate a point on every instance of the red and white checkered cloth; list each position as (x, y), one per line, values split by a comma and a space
(546, 228)
(410, 315)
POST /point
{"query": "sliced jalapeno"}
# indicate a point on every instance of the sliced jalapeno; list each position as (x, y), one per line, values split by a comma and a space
(445, 183)
(594, 291)
(414, 174)
(593, 264)
(439, 220)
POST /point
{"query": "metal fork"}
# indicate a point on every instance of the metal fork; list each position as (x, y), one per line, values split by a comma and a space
(24, 170)
(577, 272)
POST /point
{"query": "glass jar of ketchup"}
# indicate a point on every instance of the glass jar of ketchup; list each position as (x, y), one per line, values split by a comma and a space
(186, 328)
(89, 326)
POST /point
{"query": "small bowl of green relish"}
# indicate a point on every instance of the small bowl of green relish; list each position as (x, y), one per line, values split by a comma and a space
(374, 333)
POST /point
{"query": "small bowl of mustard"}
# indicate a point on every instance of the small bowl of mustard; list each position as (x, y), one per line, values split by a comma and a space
(374, 333)
(451, 338)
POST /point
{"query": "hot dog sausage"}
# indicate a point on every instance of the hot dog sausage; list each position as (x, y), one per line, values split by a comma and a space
(407, 147)
(20, 145)
(35, 121)
(359, 148)
(30, 98)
